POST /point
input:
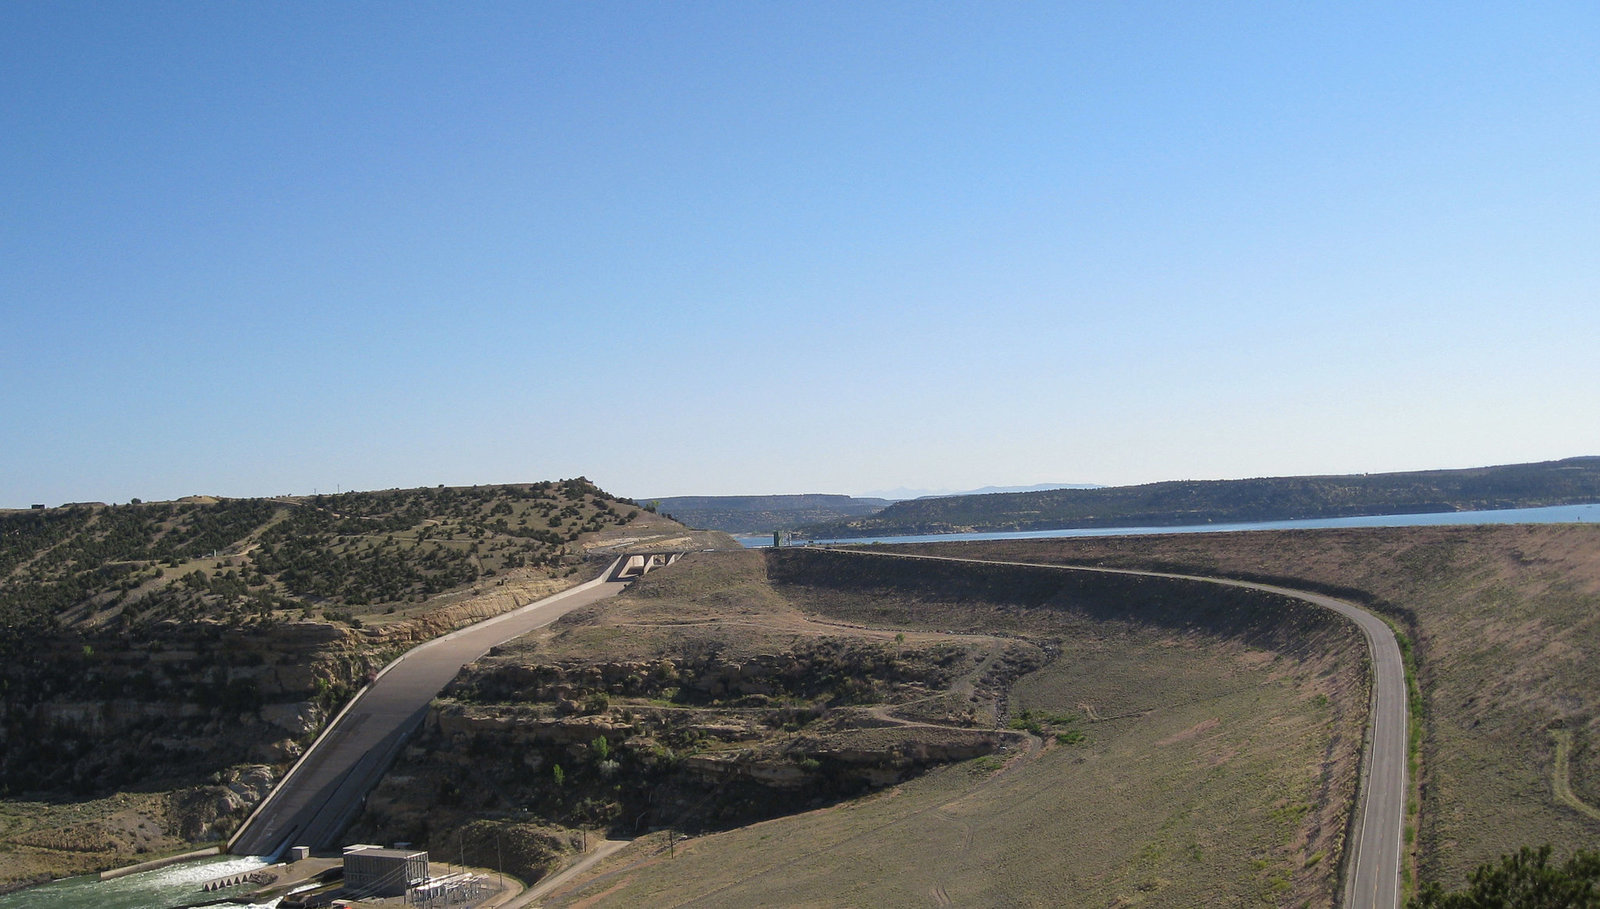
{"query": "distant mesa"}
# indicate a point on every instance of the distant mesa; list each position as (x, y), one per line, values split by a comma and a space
(1573, 481)
(765, 514)
(990, 490)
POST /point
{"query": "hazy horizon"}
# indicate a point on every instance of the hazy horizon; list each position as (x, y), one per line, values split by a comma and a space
(898, 494)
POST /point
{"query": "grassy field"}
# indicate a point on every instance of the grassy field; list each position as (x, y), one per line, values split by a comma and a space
(1176, 767)
(1506, 623)
(1196, 802)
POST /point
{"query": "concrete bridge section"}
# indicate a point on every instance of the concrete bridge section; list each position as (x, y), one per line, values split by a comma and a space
(258, 876)
(320, 796)
(638, 565)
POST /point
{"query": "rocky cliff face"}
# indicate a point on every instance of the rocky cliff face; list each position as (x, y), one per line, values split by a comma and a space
(177, 703)
(717, 732)
(161, 664)
(182, 701)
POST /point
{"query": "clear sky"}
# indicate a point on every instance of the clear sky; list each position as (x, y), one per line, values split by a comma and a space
(723, 248)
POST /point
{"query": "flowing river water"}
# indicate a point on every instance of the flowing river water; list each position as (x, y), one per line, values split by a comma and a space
(164, 888)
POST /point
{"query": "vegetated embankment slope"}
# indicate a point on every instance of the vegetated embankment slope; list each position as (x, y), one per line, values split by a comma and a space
(189, 650)
(1179, 502)
(1505, 623)
(1188, 745)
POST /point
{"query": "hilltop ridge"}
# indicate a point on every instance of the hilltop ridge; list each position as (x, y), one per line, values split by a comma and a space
(787, 512)
(188, 651)
(1178, 502)
(764, 514)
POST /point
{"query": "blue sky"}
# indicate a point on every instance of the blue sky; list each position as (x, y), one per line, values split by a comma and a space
(720, 248)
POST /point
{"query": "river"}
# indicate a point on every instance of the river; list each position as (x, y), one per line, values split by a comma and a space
(1555, 514)
(164, 888)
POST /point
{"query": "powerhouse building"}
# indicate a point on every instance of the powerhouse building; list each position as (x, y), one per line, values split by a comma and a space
(370, 871)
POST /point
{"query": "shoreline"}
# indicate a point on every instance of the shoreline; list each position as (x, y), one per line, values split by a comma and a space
(153, 864)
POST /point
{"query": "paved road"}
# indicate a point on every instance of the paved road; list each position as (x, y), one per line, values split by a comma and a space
(1372, 871)
(325, 789)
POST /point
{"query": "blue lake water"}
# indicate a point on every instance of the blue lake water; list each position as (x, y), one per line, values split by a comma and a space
(1556, 514)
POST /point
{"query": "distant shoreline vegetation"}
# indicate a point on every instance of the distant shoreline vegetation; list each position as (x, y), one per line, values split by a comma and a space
(764, 514)
(1573, 481)
(1587, 513)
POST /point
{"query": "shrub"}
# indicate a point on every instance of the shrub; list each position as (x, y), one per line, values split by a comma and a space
(1525, 880)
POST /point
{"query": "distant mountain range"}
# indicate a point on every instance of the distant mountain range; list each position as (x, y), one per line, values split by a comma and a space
(1567, 482)
(900, 494)
(762, 514)
(765, 514)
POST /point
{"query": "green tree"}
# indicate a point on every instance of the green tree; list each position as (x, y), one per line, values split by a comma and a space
(1526, 880)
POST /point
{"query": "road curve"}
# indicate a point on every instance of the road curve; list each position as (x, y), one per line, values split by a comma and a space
(322, 793)
(1372, 870)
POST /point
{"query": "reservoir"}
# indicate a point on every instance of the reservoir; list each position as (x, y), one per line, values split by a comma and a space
(1555, 514)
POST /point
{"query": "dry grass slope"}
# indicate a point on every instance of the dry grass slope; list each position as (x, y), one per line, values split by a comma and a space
(1199, 763)
(1506, 623)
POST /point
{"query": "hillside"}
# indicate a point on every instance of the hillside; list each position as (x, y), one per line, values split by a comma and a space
(1176, 503)
(1505, 624)
(93, 567)
(1161, 802)
(835, 729)
(190, 650)
(764, 514)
